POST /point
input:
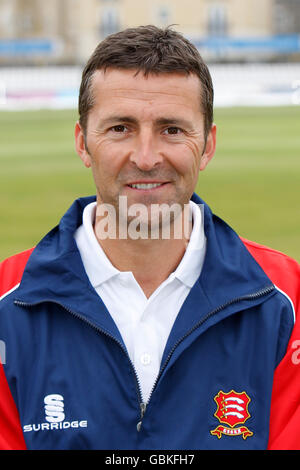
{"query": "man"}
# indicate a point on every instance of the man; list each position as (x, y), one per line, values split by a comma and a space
(143, 321)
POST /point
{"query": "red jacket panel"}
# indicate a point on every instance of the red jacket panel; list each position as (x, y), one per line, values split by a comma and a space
(11, 434)
(285, 408)
(11, 271)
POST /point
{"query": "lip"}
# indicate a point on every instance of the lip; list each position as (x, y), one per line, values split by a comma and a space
(147, 182)
(161, 183)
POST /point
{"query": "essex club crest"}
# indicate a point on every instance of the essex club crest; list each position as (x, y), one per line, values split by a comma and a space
(232, 412)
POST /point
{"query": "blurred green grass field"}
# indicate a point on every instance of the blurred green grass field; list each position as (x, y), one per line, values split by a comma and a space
(253, 181)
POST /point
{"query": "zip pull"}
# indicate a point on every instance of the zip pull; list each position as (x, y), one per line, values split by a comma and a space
(143, 407)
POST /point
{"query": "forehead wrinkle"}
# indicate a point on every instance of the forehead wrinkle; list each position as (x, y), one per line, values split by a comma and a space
(155, 92)
(148, 105)
(131, 94)
(147, 96)
(118, 89)
(118, 82)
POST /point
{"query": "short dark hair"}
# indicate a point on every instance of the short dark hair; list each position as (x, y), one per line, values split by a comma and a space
(147, 49)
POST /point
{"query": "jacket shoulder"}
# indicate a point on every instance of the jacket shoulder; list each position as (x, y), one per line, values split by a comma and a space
(11, 435)
(283, 270)
(11, 271)
(269, 257)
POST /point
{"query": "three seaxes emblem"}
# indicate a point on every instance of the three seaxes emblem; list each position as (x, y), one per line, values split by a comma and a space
(232, 411)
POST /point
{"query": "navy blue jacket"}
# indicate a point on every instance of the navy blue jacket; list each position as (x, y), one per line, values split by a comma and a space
(75, 387)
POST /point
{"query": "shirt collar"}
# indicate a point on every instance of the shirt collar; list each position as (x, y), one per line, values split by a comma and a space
(99, 268)
(190, 266)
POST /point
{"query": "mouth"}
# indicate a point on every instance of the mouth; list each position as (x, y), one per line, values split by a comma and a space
(146, 186)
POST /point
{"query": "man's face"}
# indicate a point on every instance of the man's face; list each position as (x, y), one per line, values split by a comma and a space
(145, 131)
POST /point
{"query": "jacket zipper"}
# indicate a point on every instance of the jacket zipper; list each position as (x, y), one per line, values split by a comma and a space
(142, 405)
(254, 296)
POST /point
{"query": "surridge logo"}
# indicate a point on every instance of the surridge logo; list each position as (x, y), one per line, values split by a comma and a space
(55, 416)
(54, 408)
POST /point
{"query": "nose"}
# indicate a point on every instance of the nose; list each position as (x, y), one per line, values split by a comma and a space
(145, 154)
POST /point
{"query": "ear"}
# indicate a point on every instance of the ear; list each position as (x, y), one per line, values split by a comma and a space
(80, 145)
(210, 147)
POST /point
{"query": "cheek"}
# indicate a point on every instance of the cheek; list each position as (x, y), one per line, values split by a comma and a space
(106, 159)
(187, 158)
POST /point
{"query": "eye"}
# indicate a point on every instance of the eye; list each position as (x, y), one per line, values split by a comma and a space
(120, 128)
(173, 131)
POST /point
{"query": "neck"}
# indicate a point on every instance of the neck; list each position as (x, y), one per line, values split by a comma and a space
(150, 260)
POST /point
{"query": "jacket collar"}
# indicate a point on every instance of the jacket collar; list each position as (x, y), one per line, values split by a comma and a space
(55, 271)
(229, 270)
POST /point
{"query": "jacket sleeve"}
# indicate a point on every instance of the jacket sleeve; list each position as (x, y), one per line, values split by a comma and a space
(11, 434)
(285, 406)
(11, 271)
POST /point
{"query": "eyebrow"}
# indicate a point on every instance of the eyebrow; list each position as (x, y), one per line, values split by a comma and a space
(114, 119)
(174, 121)
(131, 120)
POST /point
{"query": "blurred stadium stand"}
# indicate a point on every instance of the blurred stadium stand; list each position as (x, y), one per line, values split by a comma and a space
(253, 47)
(64, 32)
(235, 85)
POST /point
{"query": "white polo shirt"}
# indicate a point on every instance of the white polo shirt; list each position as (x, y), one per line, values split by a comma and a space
(144, 323)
